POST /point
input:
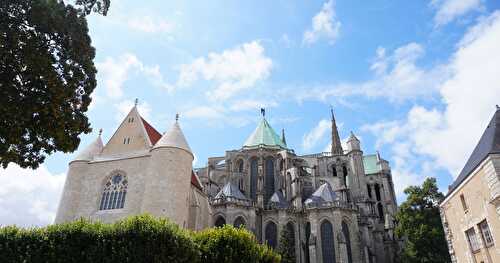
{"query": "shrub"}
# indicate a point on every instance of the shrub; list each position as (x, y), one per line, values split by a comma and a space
(136, 239)
(228, 244)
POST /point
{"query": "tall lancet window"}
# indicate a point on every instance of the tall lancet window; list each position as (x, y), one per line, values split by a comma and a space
(114, 193)
(253, 179)
(327, 243)
(269, 179)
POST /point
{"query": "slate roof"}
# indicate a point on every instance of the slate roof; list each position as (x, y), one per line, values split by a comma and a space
(90, 151)
(488, 144)
(230, 190)
(173, 138)
(278, 200)
(264, 135)
(323, 194)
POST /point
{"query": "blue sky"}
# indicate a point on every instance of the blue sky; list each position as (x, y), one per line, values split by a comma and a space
(415, 80)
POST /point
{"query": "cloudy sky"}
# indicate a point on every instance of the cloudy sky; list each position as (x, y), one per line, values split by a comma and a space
(416, 80)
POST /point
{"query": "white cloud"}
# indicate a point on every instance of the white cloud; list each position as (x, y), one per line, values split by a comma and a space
(250, 104)
(149, 24)
(311, 139)
(124, 107)
(205, 112)
(113, 72)
(449, 10)
(396, 77)
(233, 70)
(29, 197)
(324, 25)
(445, 138)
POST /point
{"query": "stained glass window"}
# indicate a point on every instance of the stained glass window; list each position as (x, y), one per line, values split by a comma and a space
(269, 180)
(327, 243)
(271, 234)
(345, 231)
(253, 179)
(114, 193)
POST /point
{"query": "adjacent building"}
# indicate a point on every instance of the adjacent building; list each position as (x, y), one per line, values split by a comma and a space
(338, 205)
(471, 210)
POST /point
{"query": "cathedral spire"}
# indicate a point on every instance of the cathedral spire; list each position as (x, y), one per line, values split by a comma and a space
(283, 139)
(336, 145)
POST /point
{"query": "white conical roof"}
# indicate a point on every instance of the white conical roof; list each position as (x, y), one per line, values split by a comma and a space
(323, 194)
(173, 138)
(92, 150)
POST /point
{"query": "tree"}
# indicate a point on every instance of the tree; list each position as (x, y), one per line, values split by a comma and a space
(47, 75)
(419, 221)
(286, 246)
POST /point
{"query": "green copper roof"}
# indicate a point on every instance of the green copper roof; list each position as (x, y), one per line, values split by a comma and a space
(370, 163)
(264, 135)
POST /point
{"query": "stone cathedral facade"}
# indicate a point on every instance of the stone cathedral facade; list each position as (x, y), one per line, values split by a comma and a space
(338, 205)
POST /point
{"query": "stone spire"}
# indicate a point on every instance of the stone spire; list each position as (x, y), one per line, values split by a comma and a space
(92, 150)
(283, 139)
(336, 145)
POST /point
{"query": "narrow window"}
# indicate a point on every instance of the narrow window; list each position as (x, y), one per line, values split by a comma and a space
(369, 189)
(486, 233)
(240, 166)
(113, 195)
(377, 192)
(346, 176)
(473, 242)
(464, 204)
(269, 180)
(334, 171)
(253, 179)
(306, 247)
(327, 242)
(128, 140)
(271, 234)
(124, 140)
(380, 209)
(345, 231)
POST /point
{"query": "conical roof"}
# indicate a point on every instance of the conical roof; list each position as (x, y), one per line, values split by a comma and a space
(230, 190)
(323, 194)
(173, 138)
(488, 144)
(91, 150)
(264, 135)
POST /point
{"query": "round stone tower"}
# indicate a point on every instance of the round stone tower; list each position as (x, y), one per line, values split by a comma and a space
(70, 198)
(169, 178)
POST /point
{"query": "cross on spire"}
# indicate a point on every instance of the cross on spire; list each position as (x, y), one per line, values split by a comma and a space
(176, 117)
(136, 102)
(100, 131)
(263, 112)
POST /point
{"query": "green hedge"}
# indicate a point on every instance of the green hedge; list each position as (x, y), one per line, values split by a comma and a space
(136, 239)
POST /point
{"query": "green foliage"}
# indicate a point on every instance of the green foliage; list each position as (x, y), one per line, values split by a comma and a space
(228, 244)
(286, 247)
(136, 239)
(47, 75)
(420, 223)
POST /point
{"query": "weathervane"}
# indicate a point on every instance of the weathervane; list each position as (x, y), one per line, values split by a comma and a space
(176, 117)
(100, 131)
(136, 101)
(263, 112)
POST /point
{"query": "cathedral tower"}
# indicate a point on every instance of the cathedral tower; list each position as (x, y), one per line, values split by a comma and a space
(169, 180)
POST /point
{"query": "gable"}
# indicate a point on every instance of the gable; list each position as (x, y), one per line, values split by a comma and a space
(131, 136)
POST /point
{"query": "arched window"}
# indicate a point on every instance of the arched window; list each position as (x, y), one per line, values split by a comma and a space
(291, 229)
(239, 166)
(380, 209)
(327, 243)
(345, 231)
(346, 176)
(114, 193)
(220, 222)
(239, 221)
(334, 171)
(377, 192)
(253, 179)
(306, 246)
(271, 234)
(269, 180)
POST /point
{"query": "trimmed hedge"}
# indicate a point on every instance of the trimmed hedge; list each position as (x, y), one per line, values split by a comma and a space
(136, 239)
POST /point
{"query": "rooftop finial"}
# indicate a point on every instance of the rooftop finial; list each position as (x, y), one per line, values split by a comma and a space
(263, 112)
(136, 102)
(100, 131)
(498, 107)
(176, 117)
(331, 111)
